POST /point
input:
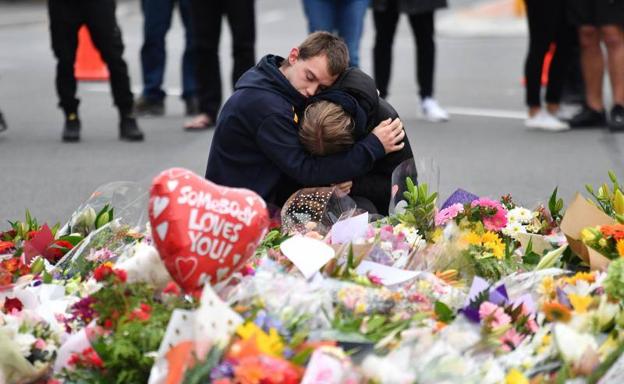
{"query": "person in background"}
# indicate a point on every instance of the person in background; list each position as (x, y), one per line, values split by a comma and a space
(157, 21)
(343, 17)
(600, 21)
(66, 18)
(421, 17)
(207, 17)
(547, 25)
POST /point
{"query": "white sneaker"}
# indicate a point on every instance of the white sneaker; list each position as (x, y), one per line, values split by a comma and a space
(546, 121)
(432, 111)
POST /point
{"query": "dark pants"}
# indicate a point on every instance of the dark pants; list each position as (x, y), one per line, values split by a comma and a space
(423, 30)
(66, 18)
(158, 14)
(207, 17)
(547, 25)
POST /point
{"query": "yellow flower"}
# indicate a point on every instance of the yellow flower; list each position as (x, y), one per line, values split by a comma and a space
(555, 311)
(620, 247)
(516, 377)
(547, 287)
(360, 308)
(587, 276)
(580, 303)
(270, 344)
(490, 237)
(472, 238)
(587, 235)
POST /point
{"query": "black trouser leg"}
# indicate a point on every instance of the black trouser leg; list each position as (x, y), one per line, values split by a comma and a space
(423, 29)
(65, 20)
(242, 20)
(102, 23)
(559, 66)
(206, 23)
(546, 25)
(385, 28)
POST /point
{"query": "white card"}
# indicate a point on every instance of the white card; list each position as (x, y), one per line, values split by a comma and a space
(309, 255)
(345, 231)
(388, 275)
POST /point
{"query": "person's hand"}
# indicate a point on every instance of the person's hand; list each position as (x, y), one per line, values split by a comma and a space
(345, 186)
(391, 134)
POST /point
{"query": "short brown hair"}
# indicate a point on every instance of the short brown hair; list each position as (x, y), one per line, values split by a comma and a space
(326, 128)
(332, 46)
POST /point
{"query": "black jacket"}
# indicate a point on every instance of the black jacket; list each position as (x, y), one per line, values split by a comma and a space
(376, 184)
(256, 141)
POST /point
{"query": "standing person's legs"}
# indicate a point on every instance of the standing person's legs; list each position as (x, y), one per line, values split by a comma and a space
(102, 22)
(613, 36)
(350, 24)
(157, 21)
(593, 65)
(561, 58)
(189, 84)
(385, 28)
(241, 15)
(423, 29)
(206, 21)
(65, 20)
(321, 15)
(541, 35)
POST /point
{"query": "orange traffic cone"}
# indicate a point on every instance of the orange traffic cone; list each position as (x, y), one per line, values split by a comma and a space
(89, 65)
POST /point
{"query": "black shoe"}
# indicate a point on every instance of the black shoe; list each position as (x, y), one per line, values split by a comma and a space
(129, 130)
(3, 124)
(71, 130)
(192, 106)
(616, 124)
(588, 118)
(149, 107)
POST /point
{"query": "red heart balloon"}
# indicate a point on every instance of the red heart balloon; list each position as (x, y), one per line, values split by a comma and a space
(204, 232)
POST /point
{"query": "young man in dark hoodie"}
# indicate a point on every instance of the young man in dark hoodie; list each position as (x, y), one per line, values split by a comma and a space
(256, 142)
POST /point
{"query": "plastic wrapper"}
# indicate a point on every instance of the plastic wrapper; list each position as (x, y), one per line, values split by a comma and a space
(315, 209)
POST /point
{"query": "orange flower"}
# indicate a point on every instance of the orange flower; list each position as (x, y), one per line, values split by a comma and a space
(5, 245)
(555, 311)
(620, 247)
(616, 231)
(587, 276)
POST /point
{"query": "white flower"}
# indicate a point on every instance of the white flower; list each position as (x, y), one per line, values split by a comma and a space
(514, 228)
(519, 215)
(571, 344)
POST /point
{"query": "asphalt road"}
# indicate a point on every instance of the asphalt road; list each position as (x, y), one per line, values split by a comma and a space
(484, 148)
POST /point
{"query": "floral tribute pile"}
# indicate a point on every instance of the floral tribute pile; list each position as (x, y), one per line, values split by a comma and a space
(470, 290)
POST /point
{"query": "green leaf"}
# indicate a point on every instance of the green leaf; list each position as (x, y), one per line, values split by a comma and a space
(302, 357)
(443, 312)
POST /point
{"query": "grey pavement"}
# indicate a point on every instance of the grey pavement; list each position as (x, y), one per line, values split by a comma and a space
(484, 148)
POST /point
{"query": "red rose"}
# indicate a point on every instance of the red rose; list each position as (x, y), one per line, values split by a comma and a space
(12, 304)
(102, 272)
(121, 275)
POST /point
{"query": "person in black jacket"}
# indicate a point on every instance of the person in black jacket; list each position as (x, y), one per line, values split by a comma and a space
(338, 117)
(256, 142)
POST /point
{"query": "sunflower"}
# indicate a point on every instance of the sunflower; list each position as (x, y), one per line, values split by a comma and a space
(555, 311)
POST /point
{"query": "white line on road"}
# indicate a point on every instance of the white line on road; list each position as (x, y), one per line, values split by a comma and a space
(483, 112)
(465, 111)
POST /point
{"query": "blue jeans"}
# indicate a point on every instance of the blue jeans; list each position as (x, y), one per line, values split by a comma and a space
(344, 17)
(158, 14)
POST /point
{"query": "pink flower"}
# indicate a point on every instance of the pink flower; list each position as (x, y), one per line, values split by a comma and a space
(532, 325)
(511, 339)
(493, 313)
(495, 221)
(448, 214)
(40, 344)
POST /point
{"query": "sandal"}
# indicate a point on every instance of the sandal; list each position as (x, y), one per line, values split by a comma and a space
(199, 123)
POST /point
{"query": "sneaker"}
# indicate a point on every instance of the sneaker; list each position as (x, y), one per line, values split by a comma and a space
(616, 124)
(149, 107)
(546, 121)
(192, 106)
(129, 129)
(71, 130)
(589, 118)
(3, 124)
(432, 111)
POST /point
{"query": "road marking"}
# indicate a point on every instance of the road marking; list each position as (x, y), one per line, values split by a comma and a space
(136, 89)
(484, 112)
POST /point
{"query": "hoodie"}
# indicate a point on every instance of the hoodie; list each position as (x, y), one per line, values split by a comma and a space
(256, 141)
